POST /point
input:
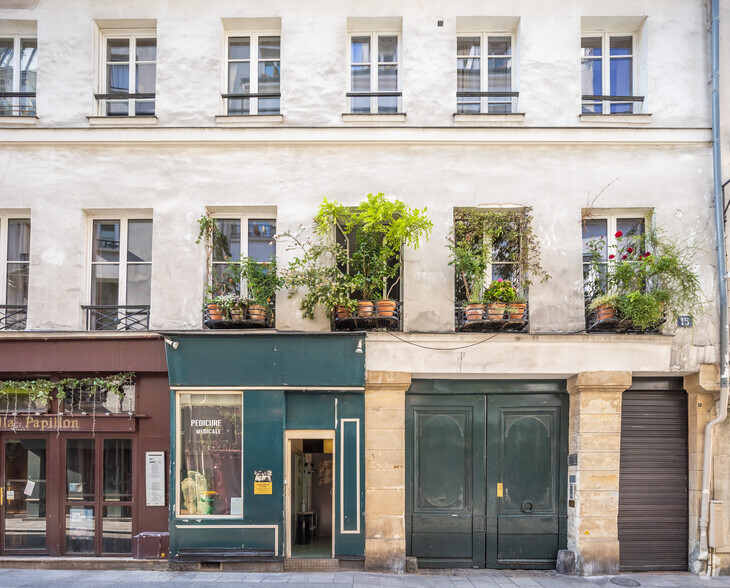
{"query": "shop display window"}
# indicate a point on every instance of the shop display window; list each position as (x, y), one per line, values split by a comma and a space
(210, 444)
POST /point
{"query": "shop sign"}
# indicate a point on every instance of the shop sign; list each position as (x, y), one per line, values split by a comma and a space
(155, 478)
(262, 482)
(38, 423)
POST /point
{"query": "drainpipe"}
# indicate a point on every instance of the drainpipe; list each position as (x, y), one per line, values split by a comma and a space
(722, 283)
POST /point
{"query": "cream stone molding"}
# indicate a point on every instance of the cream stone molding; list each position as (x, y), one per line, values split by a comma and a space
(516, 118)
(705, 381)
(599, 382)
(382, 380)
(18, 121)
(628, 120)
(122, 121)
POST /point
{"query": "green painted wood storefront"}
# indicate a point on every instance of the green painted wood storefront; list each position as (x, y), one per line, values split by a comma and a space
(486, 473)
(284, 382)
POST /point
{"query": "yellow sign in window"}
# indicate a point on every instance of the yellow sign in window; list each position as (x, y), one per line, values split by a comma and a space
(262, 487)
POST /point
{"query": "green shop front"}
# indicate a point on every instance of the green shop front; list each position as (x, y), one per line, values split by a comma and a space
(267, 446)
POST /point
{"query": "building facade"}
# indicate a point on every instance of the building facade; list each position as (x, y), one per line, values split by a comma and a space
(124, 125)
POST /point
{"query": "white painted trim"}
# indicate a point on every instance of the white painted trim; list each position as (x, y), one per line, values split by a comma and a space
(342, 478)
(275, 527)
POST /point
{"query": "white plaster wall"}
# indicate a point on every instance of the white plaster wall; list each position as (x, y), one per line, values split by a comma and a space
(62, 169)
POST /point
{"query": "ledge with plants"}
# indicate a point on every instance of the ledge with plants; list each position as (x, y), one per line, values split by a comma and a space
(482, 241)
(354, 278)
(243, 295)
(636, 285)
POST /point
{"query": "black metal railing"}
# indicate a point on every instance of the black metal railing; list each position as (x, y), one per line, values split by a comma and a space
(590, 100)
(383, 94)
(460, 102)
(252, 317)
(13, 317)
(491, 317)
(370, 315)
(119, 97)
(23, 106)
(117, 318)
(236, 110)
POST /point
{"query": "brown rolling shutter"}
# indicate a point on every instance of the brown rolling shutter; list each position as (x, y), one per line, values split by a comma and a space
(653, 498)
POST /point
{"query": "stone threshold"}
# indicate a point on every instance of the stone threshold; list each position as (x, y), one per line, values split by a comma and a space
(82, 563)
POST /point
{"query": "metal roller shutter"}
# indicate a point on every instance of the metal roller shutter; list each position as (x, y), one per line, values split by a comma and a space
(653, 497)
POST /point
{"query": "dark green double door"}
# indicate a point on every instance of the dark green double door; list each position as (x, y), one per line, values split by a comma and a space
(486, 478)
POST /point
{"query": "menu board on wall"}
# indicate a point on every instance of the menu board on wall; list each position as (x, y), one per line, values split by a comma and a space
(155, 478)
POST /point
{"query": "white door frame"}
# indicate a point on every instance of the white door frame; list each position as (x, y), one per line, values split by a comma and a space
(289, 435)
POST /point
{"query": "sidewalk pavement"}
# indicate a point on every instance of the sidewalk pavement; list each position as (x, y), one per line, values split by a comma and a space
(12, 578)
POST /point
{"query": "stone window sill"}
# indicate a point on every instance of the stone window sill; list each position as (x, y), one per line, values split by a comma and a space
(398, 117)
(18, 121)
(122, 121)
(225, 120)
(490, 119)
(616, 119)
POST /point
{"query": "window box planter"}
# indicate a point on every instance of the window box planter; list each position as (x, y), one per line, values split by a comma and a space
(370, 315)
(253, 317)
(491, 317)
(597, 322)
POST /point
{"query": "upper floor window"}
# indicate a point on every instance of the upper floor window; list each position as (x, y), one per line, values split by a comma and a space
(121, 274)
(128, 74)
(14, 271)
(258, 244)
(18, 75)
(607, 74)
(484, 87)
(253, 74)
(374, 73)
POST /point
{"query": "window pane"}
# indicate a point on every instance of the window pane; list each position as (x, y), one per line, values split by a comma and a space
(146, 78)
(387, 78)
(105, 285)
(594, 229)
(500, 75)
(139, 240)
(269, 47)
(106, 240)
(117, 50)
(239, 77)
(632, 230)
(360, 50)
(146, 49)
(229, 245)
(144, 108)
(19, 240)
(6, 65)
(591, 46)
(474, 108)
(25, 514)
(360, 78)
(117, 78)
(621, 74)
(468, 72)
(504, 271)
(620, 45)
(387, 49)
(80, 470)
(117, 108)
(28, 64)
(269, 106)
(591, 77)
(117, 529)
(261, 244)
(80, 529)
(17, 286)
(118, 470)
(139, 279)
(211, 441)
(239, 106)
(239, 48)
(269, 76)
(468, 46)
(500, 46)
(388, 105)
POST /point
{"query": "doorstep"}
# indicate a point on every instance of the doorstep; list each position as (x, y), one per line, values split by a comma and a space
(82, 563)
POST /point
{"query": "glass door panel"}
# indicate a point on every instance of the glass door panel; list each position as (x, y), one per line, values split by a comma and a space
(117, 499)
(80, 496)
(25, 495)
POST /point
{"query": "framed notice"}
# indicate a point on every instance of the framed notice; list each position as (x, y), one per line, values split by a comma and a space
(154, 462)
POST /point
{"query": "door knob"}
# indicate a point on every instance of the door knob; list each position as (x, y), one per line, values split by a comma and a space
(527, 506)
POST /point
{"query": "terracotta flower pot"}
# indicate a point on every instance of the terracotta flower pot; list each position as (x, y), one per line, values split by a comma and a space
(516, 310)
(215, 313)
(605, 312)
(474, 312)
(365, 308)
(495, 311)
(257, 312)
(342, 312)
(237, 314)
(386, 307)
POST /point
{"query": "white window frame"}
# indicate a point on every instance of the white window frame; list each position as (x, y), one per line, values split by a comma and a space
(178, 454)
(374, 63)
(132, 35)
(4, 261)
(605, 58)
(15, 102)
(123, 242)
(253, 60)
(244, 219)
(484, 72)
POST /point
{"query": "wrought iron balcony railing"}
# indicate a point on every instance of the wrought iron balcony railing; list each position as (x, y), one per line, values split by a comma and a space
(369, 316)
(251, 317)
(117, 318)
(491, 317)
(13, 317)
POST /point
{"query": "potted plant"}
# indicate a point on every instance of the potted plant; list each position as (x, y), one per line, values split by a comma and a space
(517, 308)
(469, 259)
(261, 281)
(499, 293)
(604, 306)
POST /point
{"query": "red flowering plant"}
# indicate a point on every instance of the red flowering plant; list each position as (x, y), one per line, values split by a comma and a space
(645, 276)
